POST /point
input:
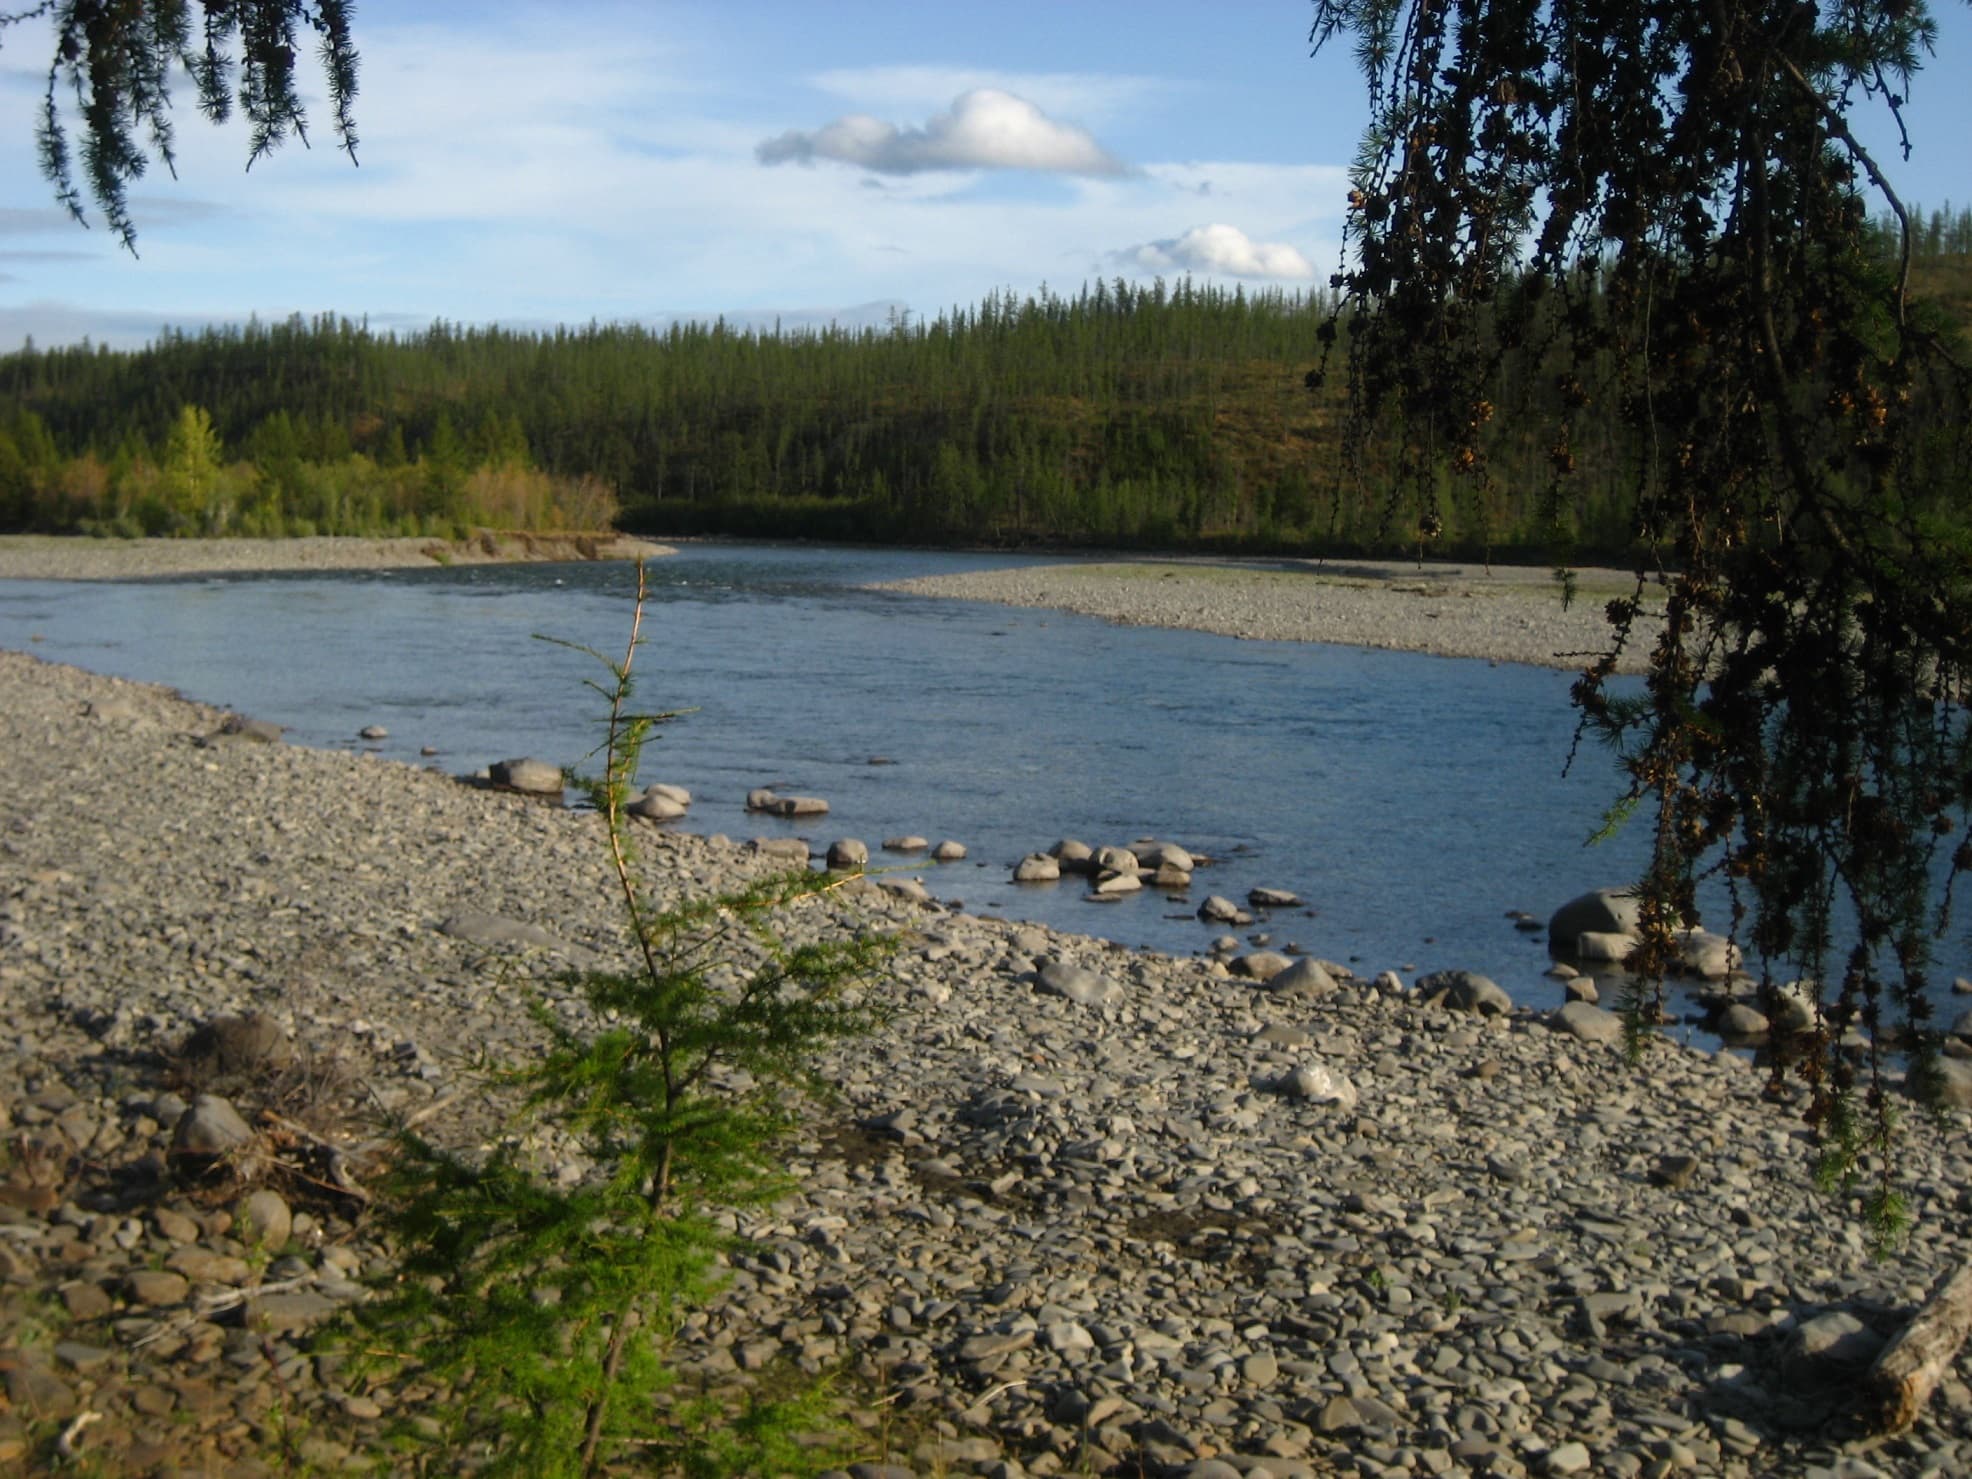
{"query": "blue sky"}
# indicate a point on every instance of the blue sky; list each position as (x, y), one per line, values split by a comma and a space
(534, 165)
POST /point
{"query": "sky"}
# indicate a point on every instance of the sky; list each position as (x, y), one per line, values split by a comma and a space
(535, 165)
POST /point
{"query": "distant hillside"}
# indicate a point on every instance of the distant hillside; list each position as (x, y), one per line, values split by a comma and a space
(1174, 416)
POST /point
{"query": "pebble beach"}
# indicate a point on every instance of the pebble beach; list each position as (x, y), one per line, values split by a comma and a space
(70, 557)
(1499, 614)
(1073, 1209)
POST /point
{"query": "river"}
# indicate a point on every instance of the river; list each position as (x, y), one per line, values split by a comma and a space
(1410, 801)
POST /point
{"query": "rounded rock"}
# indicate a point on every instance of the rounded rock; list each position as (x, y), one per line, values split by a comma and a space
(526, 775)
(846, 854)
(263, 1218)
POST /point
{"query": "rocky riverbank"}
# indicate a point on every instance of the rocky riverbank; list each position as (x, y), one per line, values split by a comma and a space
(71, 557)
(1504, 613)
(1076, 1209)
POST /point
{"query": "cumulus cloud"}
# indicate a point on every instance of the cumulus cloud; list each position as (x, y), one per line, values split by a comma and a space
(1221, 250)
(1090, 96)
(983, 129)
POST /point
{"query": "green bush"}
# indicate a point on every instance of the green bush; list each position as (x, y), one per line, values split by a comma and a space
(542, 1313)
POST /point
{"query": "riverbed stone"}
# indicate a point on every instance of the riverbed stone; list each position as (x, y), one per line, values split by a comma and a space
(149, 1286)
(1741, 1022)
(1464, 991)
(1707, 956)
(1599, 947)
(1306, 979)
(1614, 911)
(233, 1045)
(1036, 868)
(263, 1219)
(1078, 983)
(1953, 1083)
(1087, 1232)
(528, 775)
(799, 806)
(784, 851)
(655, 806)
(1260, 965)
(1073, 855)
(210, 1128)
(1588, 1022)
(1830, 1346)
(1153, 855)
(258, 731)
(1116, 860)
(1217, 909)
(1318, 1083)
(846, 853)
(492, 929)
(1791, 1006)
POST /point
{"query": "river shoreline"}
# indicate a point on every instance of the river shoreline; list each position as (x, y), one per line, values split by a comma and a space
(1494, 613)
(1491, 613)
(1063, 1221)
(74, 557)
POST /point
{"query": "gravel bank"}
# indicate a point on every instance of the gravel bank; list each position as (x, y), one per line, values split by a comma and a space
(1079, 1222)
(63, 557)
(1504, 614)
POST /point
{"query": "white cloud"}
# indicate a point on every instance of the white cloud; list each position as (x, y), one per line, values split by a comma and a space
(983, 129)
(1090, 96)
(1219, 250)
(511, 174)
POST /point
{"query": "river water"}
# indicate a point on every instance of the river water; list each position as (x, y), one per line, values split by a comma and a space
(1410, 801)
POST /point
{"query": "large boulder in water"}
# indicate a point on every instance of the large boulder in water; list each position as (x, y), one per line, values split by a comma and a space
(1116, 860)
(655, 806)
(1036, 867)
(847, 854)
(1603, 911)
(1792, 1006)
(1606, 947)
(1153, 855)
(1705, 955)
(1073, 856)
(799, 806)
(1219, 909)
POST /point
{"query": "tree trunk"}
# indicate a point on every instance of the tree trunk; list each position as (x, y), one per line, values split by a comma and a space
(1901, 1381)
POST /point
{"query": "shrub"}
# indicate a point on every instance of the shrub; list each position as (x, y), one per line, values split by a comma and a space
(543, 1312)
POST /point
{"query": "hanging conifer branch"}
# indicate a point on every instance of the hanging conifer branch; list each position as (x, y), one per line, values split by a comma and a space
(1669, 199)
(114, 63)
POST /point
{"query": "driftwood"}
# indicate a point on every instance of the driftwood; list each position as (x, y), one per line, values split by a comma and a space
(1912, 1365)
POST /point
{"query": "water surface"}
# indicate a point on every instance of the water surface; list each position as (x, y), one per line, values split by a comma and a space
(1411, 801)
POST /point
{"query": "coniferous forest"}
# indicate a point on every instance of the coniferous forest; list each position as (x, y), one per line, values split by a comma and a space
(1127, 415)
